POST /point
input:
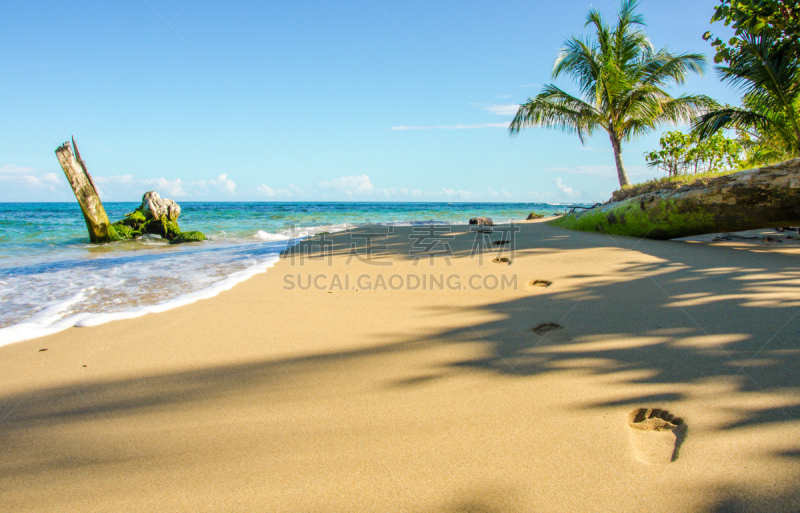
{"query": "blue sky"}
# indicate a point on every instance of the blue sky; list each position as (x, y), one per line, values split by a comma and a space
(364, 100)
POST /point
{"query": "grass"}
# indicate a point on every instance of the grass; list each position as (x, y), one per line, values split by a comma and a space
(676, 182)
(668, 183)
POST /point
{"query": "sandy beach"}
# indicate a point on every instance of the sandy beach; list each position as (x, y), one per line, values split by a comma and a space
(482, 391)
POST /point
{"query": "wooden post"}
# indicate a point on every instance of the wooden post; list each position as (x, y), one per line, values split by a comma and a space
(100, 229)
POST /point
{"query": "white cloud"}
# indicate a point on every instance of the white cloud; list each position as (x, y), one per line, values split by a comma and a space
(166, 188)
(222, 182)
(503, 96)
(565, 189)
(30, 177)
(538, 197)
(503, 110)
(452, 127)
(586, 170)
(265, 190)
(113, 179)
(177, 188)
(349, 185)
(392, 191)
(461, 194)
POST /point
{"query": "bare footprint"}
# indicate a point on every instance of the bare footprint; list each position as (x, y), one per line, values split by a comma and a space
(656, 435)
(546, 327)
(501, 260)
(539, 283)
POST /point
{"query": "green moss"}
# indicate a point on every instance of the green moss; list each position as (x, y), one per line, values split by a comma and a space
(163, 227)
(135, 224)
(666, 220)
(130, 227)
(188, 237)
(134, 219)
(123, 231)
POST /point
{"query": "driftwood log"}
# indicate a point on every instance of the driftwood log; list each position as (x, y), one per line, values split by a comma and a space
(767, 197)
(156, 215)
(97, 223)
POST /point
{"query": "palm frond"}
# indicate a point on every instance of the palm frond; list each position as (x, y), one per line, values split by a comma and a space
(733, 117)
(554, 108)
(663, 68)
(765, 70)
(580, 61)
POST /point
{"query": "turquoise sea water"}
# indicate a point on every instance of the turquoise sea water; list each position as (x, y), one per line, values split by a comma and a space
(51, 278)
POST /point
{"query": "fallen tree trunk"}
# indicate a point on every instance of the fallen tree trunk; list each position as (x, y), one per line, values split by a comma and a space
(766, 197)
(100, 229)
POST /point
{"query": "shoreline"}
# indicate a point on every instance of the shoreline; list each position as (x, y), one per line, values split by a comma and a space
(29, 330)
(26, 331)
(281, 399)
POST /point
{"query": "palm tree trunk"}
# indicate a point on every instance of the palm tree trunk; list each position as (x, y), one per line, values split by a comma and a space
(621, 174)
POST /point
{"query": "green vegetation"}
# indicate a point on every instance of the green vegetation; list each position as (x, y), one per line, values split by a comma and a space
(762, 62)
(135, 225)
(668, 183)
(621, 79)
(776, 20)
(188, 237)
(696, 196)
(666, 220)
(681, 154)
(768, 73)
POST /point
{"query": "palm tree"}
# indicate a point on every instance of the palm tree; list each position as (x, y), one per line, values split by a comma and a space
(768, 73)
(621, 79)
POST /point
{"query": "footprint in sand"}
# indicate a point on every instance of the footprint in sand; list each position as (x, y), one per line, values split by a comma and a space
(656, 435)
(502, 260)
(539, 283)
(546, 327)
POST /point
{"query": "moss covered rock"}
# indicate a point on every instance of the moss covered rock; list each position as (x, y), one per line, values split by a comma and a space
(164, 227)
(133, 219)
(125, 232)
(188, 237)
(756, 198)
(141, 221)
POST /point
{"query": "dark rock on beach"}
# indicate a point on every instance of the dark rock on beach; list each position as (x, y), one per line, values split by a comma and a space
(481, 221)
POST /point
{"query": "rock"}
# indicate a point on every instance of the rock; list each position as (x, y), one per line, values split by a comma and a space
(767, 197)
(534, 215)
(157, 216)
(481, 221)
(154, 207)
(164, 227)
(188, 237)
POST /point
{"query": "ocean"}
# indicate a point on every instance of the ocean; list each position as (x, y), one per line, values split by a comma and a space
(52, 278)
